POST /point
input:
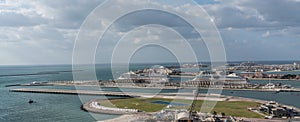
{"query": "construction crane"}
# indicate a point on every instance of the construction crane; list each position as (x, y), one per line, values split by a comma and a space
(193, 105)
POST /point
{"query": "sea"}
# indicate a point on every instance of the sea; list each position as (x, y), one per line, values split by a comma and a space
(14, 106)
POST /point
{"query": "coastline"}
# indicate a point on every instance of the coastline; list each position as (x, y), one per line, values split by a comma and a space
(190, 96)
(132, 118)
(127, 118)
(170, 96)
(55, 105)
(138, 116)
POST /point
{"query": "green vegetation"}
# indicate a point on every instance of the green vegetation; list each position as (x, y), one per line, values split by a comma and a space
(135, 103)
(233, 108)
(237, 108)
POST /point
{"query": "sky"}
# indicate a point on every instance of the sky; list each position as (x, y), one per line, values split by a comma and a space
(44, 31)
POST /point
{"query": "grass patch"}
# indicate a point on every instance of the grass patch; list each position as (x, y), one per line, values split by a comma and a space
(233, 108)
(237, 108)
(135, 103)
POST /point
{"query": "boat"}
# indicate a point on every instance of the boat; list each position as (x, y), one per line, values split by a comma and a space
(220, 76)
(276, 70)
(156, 75)
(269, 86)
(129, 75)
(30, 101)
(151, 77)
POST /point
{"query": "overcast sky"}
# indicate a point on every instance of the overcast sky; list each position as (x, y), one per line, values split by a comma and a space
(44, 31)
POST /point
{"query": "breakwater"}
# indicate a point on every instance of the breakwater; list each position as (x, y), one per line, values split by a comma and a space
(81, 92)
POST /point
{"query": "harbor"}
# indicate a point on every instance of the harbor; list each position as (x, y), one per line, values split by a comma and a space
(94, 106)
(140, 84)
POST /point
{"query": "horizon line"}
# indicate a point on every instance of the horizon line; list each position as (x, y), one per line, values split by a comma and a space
(150, 62)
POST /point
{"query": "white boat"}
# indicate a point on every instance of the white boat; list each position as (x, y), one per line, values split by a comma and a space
(157, 74)
(219, 76)
(276, 70)
(269, 86)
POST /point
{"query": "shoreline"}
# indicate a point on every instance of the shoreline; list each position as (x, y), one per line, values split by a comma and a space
(132, 118)
(137, 116)
(189, 96)
(89, 108)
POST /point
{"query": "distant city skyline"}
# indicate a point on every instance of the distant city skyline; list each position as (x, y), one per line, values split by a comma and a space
(44, 32)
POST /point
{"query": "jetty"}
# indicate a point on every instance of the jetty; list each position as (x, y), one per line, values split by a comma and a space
(75, 92)
(184, 95)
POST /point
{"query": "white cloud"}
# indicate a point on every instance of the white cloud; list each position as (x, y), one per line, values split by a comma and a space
(48, 28)
(255, 13)
(266, 34)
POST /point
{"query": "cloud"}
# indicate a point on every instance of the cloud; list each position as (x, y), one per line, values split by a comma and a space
(255, 13)
(280, 11)
(47, 28)
(245, 24)
(15, 19)
(235, 17)
(68, 13)
(267, 34)
(40, 32)
(36, 44)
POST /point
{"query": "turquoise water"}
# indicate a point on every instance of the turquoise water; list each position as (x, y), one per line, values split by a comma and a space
(59, 107)
(49, 107)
